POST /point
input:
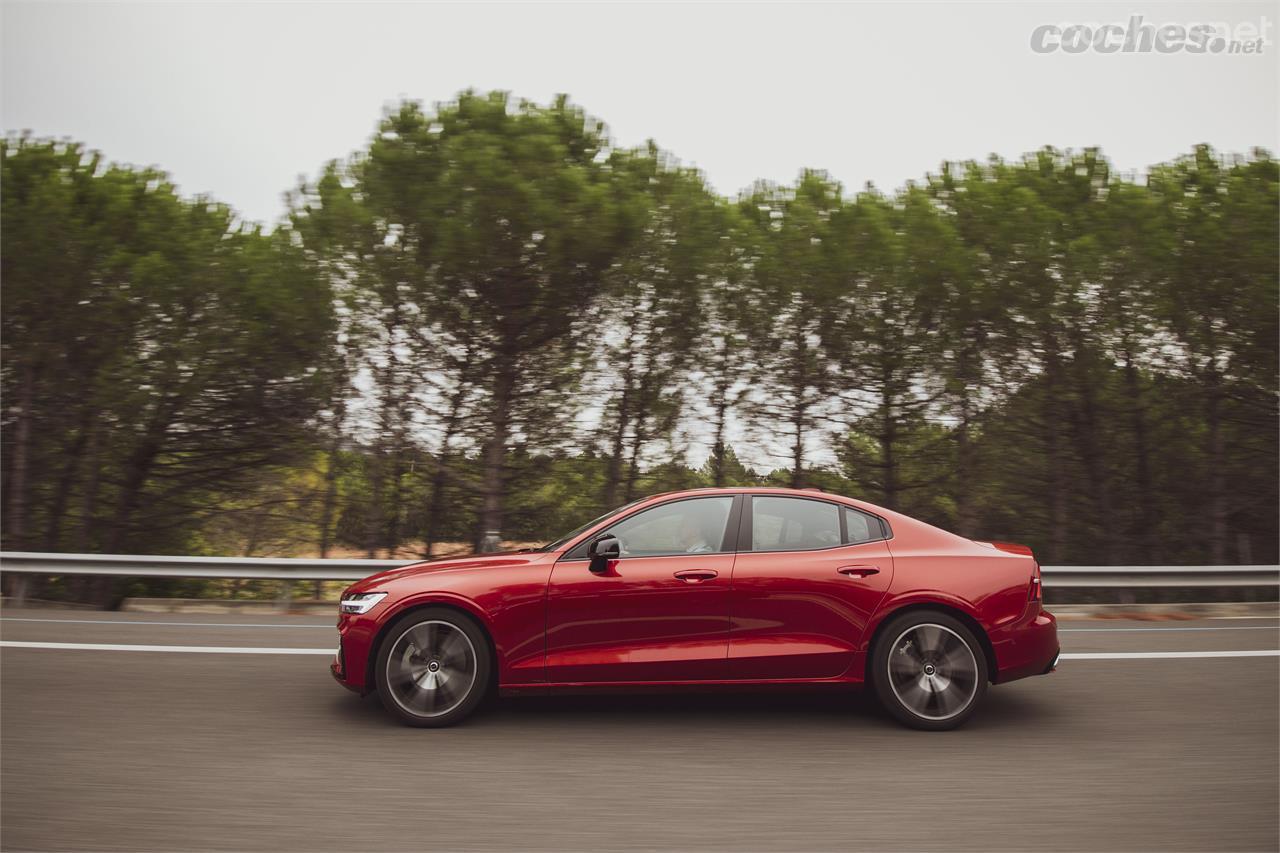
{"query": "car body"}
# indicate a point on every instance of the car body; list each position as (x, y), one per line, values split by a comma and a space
(709, 587)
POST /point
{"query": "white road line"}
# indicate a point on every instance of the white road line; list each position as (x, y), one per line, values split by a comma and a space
(245, 650)
(209, 650)
(1154, 630)
(1247, 653)
(329, 626)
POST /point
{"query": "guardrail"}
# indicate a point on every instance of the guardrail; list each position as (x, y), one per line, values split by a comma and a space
(1158, 576)
(257, 568)
(26, 563)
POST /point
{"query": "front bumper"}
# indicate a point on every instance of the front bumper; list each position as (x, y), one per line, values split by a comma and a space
(350, 663)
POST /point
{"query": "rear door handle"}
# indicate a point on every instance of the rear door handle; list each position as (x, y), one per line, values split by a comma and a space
(858, 571)
(697, 575)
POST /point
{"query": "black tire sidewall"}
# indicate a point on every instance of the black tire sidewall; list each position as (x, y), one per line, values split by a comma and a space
(880, 669)
(484, 665)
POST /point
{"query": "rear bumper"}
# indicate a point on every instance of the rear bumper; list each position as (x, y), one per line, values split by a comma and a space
(1029, 649)
(1053, 664)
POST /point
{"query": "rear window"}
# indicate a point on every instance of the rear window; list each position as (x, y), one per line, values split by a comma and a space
(861, 527)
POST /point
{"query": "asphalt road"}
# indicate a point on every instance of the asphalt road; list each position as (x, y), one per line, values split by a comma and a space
(126, 750)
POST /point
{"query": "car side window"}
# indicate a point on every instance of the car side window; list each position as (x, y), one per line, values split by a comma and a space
(861, 527)
(793, 524)
(694, 526)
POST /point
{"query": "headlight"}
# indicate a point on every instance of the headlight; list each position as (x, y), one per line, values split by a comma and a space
(361, 602)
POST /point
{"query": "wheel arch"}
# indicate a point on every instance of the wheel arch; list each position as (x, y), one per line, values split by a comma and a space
(370, 679)
(951, 610)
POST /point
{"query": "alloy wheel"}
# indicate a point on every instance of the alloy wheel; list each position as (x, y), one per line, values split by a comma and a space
(933, 672)
(431, 668)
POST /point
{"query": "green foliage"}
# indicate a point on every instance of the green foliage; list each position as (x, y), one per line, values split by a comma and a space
(490, 319)
(156, 354)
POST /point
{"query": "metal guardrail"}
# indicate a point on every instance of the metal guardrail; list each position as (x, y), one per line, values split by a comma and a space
(256, 568)
(288, 569)
(24, 563)
(1156, 576)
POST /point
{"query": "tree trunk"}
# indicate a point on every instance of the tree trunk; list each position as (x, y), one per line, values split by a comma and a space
(888, 453)
(613, 468)
(330, 495)
(495, 452)
(16, 517)
(373, 511)
(797, 447)
(328, 502)
(62, 492)
(1217, 492)
(1090, 445)
(1151, 549)
(397, 499)
(137, 472)
(440, 476)
(721, 419)
(965, 522)
(638, 438)
(84, 543)
(1050, 414)
(888, 438)
(799, 410)
(435, 505)
(377, 524)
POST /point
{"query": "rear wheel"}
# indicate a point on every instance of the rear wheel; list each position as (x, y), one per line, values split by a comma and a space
(433, 667)
(929, 670)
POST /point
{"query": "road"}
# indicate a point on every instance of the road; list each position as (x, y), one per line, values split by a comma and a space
(128, 750)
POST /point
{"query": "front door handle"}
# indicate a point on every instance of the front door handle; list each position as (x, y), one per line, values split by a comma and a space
(697, 575)
(858, 571)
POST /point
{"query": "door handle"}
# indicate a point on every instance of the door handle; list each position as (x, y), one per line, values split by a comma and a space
(697, 575)
(858, 571)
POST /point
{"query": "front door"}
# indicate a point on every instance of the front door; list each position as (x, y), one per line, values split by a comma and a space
(660, 611)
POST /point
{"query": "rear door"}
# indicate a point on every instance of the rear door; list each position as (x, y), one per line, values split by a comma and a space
(661, 611)
(808, 576)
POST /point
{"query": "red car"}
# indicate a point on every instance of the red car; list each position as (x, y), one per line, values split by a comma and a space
(714, 587)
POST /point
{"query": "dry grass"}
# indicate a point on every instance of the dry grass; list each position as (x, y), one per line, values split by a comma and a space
(408, 551)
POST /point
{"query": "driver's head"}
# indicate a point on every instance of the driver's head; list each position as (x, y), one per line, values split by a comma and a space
(691, 533)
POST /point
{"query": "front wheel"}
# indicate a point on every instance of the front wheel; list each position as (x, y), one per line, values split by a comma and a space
(433, 667)
(928, 670)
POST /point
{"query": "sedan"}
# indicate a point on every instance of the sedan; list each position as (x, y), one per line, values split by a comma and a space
(716, 588)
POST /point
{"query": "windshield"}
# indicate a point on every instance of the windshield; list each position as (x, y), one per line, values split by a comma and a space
(551, 546)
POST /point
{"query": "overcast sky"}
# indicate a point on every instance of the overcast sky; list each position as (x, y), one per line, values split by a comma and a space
(238, 100)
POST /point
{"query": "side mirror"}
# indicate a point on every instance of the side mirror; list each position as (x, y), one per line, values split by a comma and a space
(604, 549)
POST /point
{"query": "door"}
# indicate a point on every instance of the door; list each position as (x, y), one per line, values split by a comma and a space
(660, 612)
(802, 595)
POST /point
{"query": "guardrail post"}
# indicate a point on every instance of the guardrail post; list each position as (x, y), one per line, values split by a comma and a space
(19, 590)
(286, 592)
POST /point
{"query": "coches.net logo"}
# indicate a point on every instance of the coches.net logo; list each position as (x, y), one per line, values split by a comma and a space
(1138, 36)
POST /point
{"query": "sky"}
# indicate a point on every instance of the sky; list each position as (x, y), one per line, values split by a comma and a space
(238, 101)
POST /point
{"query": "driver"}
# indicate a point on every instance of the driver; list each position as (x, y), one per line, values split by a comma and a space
(693, 538)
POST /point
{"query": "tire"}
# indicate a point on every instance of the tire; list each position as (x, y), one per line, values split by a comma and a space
(929, 670)
(434, 667)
